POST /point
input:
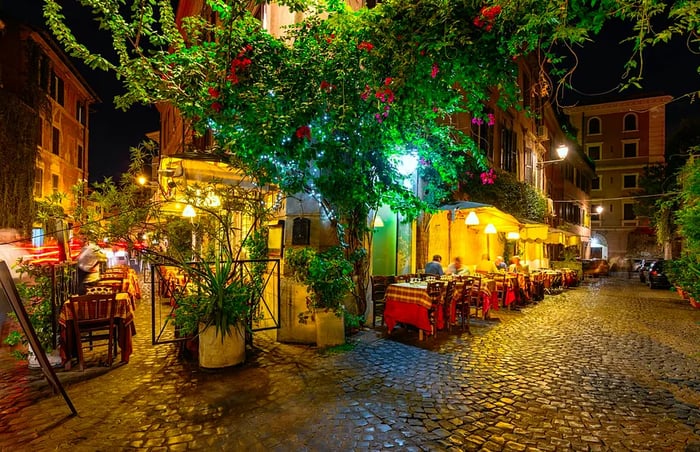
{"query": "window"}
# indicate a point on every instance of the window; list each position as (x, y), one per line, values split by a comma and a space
(509, 150)
(482, 134)
(629, 181)
(80, 112)
(595, 183)
(81, 156)
(56, 143)
(40, 134)
(594, 126)
(54, 183)
(594, 152)
(38, 182)
(629, 149)
(56, 89)
(628, 211)
(630, 122)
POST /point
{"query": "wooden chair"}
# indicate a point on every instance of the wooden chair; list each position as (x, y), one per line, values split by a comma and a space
(447, 303)
(435, 293)
(93, 320)
(501, 288)
(475, 300)
(379, 286)
(462, 301)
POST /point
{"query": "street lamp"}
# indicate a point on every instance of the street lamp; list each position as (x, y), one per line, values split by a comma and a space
(562, 152)
(599, 209)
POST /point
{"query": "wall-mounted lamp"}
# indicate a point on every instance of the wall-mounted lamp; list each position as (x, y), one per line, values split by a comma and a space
(490, 229)
(513, 236)
(599, 209)
(378, 222)
(472, 219)
(562, 151)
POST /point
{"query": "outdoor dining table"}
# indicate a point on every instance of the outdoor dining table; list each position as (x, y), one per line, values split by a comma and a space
(126, 329)
(409, 303)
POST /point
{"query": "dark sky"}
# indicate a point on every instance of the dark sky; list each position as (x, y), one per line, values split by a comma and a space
(669, 69)
(112, 131)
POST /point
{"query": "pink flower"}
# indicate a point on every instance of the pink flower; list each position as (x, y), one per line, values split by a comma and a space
(492, 119)
(434, 71)
(365, 93)
(488, 177)
(478, 121)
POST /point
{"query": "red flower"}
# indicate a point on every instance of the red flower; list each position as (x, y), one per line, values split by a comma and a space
(327, 87)
(486, 17)
(387, 81)
(365, 93)
(364, 45)
(330, 38)
(213, 92)
(216, 106)
(303, 132)
(434, 71)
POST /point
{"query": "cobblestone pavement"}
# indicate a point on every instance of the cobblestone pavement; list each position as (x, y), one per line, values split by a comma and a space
(610, 365)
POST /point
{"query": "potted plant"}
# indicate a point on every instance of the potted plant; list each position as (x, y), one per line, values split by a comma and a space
(328, 280)
(215, 308)
(35, 293)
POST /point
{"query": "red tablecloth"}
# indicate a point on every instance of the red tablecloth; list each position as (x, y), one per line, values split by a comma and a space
(407, 303)
(125, 328)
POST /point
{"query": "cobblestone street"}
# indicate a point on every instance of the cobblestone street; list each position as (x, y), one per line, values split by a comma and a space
(610, 365)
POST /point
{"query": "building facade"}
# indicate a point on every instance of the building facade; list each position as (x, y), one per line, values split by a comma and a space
(46, 104)
(621, 137)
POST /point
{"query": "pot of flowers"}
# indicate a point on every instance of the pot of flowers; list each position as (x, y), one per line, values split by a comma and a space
(215, 309)
(328, 280)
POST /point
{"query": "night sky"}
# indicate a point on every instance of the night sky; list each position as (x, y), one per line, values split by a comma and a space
(668, 70)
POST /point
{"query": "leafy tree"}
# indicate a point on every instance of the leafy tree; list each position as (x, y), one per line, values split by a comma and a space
(331, 108)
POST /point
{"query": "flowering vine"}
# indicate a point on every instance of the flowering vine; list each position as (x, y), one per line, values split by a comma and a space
(486, 17)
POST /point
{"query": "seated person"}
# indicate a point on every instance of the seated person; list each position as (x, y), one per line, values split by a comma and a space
(517, 267)
(501, 264)
(486, 266)
(457, 268)
(434, 267)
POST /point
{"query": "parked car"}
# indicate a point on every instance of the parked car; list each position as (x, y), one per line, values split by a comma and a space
(656, 277)
(644, 269)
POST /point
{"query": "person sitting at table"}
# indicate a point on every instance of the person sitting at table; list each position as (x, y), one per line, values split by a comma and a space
(89, 260)
(486, 266)
(501, 264)
(457, 268)
(517, 267)
(435, 267)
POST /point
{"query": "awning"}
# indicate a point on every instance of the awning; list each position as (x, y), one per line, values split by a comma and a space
(534, 232)
(556, 237)
(486, 213)
(178, 172)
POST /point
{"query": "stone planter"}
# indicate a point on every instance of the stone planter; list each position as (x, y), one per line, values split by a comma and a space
(330, 329)
(215, 353)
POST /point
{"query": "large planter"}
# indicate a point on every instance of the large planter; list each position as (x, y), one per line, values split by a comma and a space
(330, 329)
(215, 353)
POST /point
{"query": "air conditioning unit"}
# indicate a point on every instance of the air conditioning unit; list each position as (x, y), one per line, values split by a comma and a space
(543, 133)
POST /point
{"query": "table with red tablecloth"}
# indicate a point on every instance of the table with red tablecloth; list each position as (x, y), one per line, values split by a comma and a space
(124, 316)
(410, 304)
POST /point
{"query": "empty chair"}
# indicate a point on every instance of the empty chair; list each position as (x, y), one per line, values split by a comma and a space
(93, 320)
(461, 301)
(475, 300)
(435, 293)
(379, 286)
(448, 303)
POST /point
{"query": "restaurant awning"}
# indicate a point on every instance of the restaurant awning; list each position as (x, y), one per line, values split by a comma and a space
(556, 237)
(179, 172)
(486, 213)
(534, 232)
